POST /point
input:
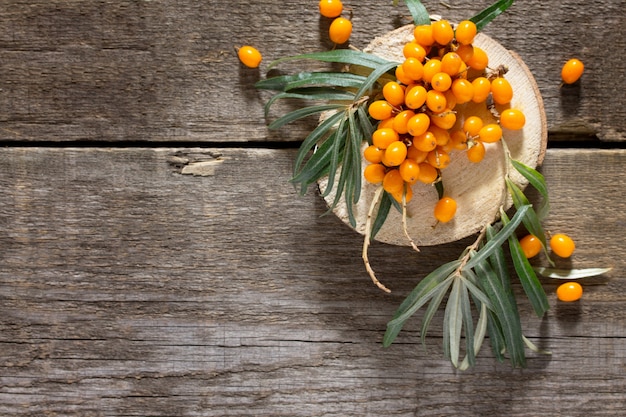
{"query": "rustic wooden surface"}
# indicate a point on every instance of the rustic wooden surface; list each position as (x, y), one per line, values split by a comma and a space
(131, 287)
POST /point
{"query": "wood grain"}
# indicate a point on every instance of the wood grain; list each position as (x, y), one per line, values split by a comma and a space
(128, 289)
(161, 71)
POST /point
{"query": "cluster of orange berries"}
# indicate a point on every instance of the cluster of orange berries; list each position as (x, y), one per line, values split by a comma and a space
(417, 114)
(563, 246)
(340, 28)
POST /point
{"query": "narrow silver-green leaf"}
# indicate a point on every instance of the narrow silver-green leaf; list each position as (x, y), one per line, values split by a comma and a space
(418, 11)
(320, 132)
(335, 79)
(301, 113)
(531, 220)
(381, 215)
(373, 77)
(312, 93)
(488, 14)
(433, 306)
(538, 181)
(570, 273)
(453, 323)
(498, 239)
(479, 337)
(468, 323)
(342, 56)
(339, 140)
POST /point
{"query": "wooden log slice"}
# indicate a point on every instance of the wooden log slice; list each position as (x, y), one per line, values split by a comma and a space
(479, 189)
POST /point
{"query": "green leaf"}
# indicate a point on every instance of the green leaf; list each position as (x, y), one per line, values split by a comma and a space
(310, 93)
(373, 77)
(320, 132)
(498, 262)
(382, 213)
(531, 219)
(424, 291)
(418, 11)
(356, 139)
(468, 325)
(301, 113)
(453, 323)
(570, 273)
(335, 79)
(341, 56)
(506, 314)
(498, 239)
(367, 127)
(433, 306)
(538, 181)
(479, 337)
(338, 146)
(487, 15)
(532, 287)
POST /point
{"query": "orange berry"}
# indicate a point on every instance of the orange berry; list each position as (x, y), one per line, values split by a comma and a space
(373, 154)
(418, 124)
(330, 8)
(249, 56)
(531, 245)
(428, 173)
(416, 155)
(382, 138)
(450, 99)
(423, 35)
(436, 101)
(569, 291)
(465, 32)
(482, 88)
(463, 90)
(512, 119)
(465, 52)
(572, 70)
(562, 245)
(490, 133)
(438, 158)
(441, 82)
(386, 123)
(442, 135)
(458, 141)
(374, 173)
(425, 142)
(444, 120)
(432, 67)
(380, 110)
(395, 153)
(479, 59)
(413, 68)
(393, 182)
(442, 32)
(394, 93)
(415, 97)
(472, 125)
(398, 196)
(401, 121)
(445, 209)
(476, 152)
(409, 171)
(414, 50)
(501, 90)
(401, 76)
(340, 30)
(451, 63)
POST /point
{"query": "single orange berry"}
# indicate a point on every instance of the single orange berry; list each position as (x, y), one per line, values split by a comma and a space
(562, 245)
(415, 97)
(476, 152)
(395, 154)
(393, 182)
(451, 63)
(374, 173)
(432, 67)
(401, 76)
(428, 173)
(409, 171)
(340, 30)
(472, 126)
(490, 133)
(394, 93)
(330, 8)
(380, 110)
(386, 123)
(414, 50)
(401, 121)
(531, 245)
(442, 32)
(373, 154)
(512, 119)
(501, 90)
(465, 32)
(445, 209)
(423, 35)
(249, 56)
(418, 124)
(479, 59)
(482, 88)
(569, 291)
(382, 138)
(438, 158)
(413, 68)
(425, 142)
(463, 90)
(441, 82)
(572, 70)
(436, 101)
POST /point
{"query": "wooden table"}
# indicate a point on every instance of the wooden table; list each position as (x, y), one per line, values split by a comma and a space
(128, 288)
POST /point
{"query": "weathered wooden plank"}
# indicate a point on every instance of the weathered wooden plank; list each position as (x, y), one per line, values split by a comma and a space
(167, 71)
(129, 289)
